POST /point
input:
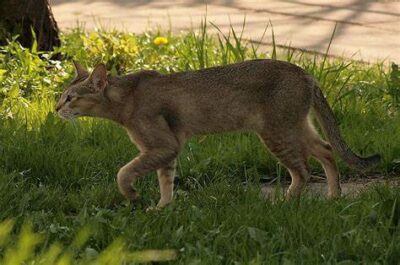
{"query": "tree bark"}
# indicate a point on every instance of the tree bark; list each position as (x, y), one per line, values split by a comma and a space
(24, 16)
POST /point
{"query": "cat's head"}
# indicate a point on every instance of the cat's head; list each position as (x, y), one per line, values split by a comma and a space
(84, 96)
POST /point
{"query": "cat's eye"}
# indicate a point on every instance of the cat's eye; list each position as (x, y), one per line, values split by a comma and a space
(68, 99)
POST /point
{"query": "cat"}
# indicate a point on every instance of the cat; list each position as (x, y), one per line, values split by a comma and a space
(160, 112)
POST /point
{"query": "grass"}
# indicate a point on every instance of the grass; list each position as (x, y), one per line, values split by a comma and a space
(57, 179)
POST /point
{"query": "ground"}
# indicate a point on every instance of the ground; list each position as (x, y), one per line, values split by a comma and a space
(366, 30)
(350, 187)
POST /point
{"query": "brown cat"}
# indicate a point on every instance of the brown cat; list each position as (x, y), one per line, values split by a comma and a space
(160, 112)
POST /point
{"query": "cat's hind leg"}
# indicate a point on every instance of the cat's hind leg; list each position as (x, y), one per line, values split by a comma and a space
(322, 151)
(291, 151)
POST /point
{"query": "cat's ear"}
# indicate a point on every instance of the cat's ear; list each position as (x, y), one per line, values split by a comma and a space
(99, 78)
(80, 71)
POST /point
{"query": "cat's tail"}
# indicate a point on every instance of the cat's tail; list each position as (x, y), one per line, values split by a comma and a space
(327, 119)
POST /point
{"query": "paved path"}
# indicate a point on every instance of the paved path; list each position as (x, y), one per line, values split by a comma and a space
(366, 29)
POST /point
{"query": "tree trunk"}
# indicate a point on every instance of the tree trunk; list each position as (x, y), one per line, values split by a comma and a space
(24, 16)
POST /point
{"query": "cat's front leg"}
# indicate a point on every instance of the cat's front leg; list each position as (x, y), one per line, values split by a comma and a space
(166, 177)
(159, 146)
(146, 162)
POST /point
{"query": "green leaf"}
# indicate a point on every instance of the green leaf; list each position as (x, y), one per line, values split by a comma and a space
(2, 72)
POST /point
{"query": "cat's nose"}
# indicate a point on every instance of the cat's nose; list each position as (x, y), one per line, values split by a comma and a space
(58, 107)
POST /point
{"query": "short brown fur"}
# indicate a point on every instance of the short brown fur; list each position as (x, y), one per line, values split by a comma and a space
(160, 112)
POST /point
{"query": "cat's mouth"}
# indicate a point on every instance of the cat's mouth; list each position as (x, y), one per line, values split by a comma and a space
(66, 115)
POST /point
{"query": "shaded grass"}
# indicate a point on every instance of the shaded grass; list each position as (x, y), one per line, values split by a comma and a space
(224, 222)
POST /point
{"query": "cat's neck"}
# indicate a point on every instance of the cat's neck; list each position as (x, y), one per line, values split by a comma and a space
(116, 96)
(118, 93)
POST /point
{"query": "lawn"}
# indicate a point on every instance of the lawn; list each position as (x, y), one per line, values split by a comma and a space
(59, 198)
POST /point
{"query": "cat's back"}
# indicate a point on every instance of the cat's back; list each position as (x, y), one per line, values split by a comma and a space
(259, 68)
(258, 71)
(254, 73)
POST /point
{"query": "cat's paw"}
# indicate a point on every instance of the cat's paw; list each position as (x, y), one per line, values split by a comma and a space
(132, 195)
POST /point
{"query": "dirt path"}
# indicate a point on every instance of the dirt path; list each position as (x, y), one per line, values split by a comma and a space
(368, 30)
(350, 187)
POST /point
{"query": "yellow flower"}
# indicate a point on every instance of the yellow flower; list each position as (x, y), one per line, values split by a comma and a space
(160, 41)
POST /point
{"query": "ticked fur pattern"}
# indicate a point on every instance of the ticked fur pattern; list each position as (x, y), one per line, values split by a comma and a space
(160, 112)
